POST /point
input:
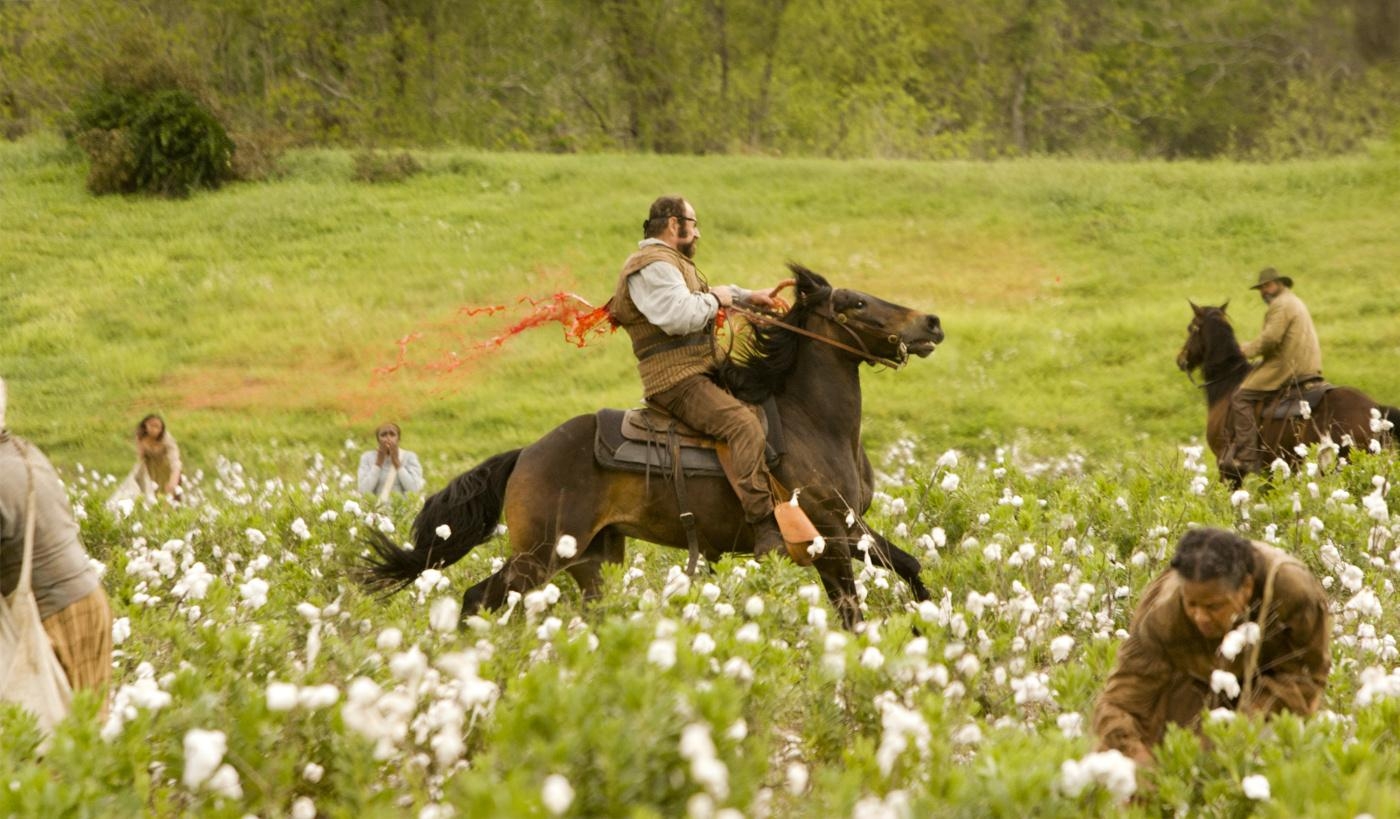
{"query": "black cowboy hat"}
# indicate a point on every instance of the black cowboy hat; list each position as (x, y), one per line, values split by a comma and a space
(1269, 274)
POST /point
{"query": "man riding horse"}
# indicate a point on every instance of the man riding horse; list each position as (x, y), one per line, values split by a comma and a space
(1289, 353)
(668, 309)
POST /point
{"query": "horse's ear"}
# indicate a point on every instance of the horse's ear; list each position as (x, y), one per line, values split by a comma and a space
(809, 284)
(1223, 306)
(1195, 308)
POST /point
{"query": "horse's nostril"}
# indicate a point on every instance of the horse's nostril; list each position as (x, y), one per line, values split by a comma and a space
(935, 328)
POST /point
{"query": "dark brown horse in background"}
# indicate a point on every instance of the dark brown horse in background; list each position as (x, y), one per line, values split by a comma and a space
(1342, 413)
(553, 487)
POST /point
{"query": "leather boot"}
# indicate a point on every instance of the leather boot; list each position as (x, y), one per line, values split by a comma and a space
(766, 537)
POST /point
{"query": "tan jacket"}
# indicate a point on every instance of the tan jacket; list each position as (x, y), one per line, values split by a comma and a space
(663, 360)
(1287, 344)
(1163, 670)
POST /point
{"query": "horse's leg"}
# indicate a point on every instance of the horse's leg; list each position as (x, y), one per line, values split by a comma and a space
(901, 562)
(840, 583)
(607, 547)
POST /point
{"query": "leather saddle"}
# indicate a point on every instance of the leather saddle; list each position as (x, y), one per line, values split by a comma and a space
(640, 440)
(1289, 402)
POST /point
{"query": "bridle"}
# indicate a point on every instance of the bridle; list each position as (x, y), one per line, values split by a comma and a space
(840, 320)
(1193, 331)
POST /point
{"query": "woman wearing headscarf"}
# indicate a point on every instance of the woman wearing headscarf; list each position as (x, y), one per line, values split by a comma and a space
(388, 469)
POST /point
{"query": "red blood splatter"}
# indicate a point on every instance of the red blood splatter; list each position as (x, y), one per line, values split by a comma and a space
(581, 321)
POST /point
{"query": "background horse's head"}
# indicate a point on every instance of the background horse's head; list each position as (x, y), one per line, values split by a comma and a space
(887, 332)
(1208, 332)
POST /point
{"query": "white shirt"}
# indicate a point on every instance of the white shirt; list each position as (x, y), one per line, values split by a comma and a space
(660, 294)
(409, 477)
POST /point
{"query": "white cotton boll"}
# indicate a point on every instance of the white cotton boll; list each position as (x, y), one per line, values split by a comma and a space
(739, 669)
(281, 696)
(303, 808)
(795, 778)
(677, 583)
(1060, 647)
(567, 547)
(389, 639)
(948, 460)
(408, 665)
(309, 612)
(1220, 715)
(1238, 498)
(300, 529)
(1256, 787)
(312, 772)
(1223, 682)
(1110, 769)
(549, 628)
(121, 630)
(748, 633)
(710, 592)
(662, 653)
(1071, 724)
(753, 607)
(950, 482)
(444, 614)
(255, 537)
(968, 665)
(917, 647)
(443, 531)
(816, 618)
(225, 783)
(872, 658)
(204, 750)
(316, 697)
(556, 794)
(1280, 468)
(703, 644)
(809, 594)
(817, 547)
(968, 734)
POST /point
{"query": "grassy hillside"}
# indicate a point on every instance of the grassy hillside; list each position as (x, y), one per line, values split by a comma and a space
(260, 312)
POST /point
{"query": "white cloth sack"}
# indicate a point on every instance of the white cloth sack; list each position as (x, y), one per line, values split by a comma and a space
(30, 673)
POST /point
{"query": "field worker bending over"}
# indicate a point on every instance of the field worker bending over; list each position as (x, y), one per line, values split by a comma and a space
(388, 469)
(668, 309)
(1189, 647)
(72, 605)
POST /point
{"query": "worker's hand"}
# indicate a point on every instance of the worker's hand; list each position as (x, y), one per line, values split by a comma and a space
(724, 293)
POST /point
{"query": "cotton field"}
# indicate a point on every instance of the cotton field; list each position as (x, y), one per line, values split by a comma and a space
(253, 678)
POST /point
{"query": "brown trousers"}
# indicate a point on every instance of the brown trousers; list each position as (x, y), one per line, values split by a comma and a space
(82, 638)
(1244, 428)
(704, 405)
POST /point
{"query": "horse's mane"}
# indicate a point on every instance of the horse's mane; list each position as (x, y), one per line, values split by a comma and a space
(763, 359)
(1225, 365)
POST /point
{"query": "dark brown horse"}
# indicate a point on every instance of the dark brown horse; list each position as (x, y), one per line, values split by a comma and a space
(1343, 414)
(553, 487)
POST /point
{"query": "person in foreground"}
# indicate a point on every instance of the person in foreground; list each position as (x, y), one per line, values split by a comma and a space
(388, 469)
(72, 605)
(1194, 627)
(668, 310)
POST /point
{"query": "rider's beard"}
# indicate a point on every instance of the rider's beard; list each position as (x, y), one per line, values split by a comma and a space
(1269, 297)
(687, 248)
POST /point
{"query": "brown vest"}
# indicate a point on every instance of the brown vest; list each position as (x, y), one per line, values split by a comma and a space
(663, 360)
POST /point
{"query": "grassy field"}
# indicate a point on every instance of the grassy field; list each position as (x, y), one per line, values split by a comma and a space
(259, 313)
(253, 677)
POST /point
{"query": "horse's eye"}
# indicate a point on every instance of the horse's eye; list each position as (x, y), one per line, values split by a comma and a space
(858, 305)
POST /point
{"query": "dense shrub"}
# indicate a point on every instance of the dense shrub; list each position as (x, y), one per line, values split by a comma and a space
(145, 129)
(375, 166)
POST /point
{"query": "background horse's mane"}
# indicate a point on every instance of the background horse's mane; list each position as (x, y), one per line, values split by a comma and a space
(1223, 355)
(765, 357)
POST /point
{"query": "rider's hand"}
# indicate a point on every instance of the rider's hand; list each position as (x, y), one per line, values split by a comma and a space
(770, 300)
(724, 294)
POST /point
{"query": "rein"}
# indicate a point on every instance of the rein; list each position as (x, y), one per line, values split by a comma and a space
(840, 321)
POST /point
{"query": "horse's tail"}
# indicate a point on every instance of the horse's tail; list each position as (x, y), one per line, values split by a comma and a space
(469, 506)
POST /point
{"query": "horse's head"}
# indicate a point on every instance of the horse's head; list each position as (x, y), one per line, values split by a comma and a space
(1206, 323)
(884, 333)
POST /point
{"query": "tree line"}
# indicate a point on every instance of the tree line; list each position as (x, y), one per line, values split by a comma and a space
(1254, 79)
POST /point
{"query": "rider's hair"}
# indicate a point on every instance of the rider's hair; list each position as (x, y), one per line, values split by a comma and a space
(1204, 555)
(661, 211)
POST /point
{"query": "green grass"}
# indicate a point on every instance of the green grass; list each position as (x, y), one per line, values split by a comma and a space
(260, 311)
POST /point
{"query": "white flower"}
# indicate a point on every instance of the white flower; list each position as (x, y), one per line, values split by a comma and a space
(303, 808)
(753, 607)
(281, 696)
(557, 794)
(1256, 787)
(872, 658)
(316, 697)
(1238, 498)
(300, 529)
(948, 460)
(444, 614)
(225, 783)
(1246, 634)
(254, 592)
(703, 644)
(1071, 724)
(662, 653)
(389, 639)
(121, 629)
(950, 482)
(1110, 769)
(204, 750)
(255, 537)
(443, 531)
(1060, 648)
(816, 547)
(312, 772)
(795, 778)
(567, 546)
(748, 633)
(1223, 682)
(968, 734)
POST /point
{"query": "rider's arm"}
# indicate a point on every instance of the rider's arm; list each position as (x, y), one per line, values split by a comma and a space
(1276, 322)
(660, 294)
